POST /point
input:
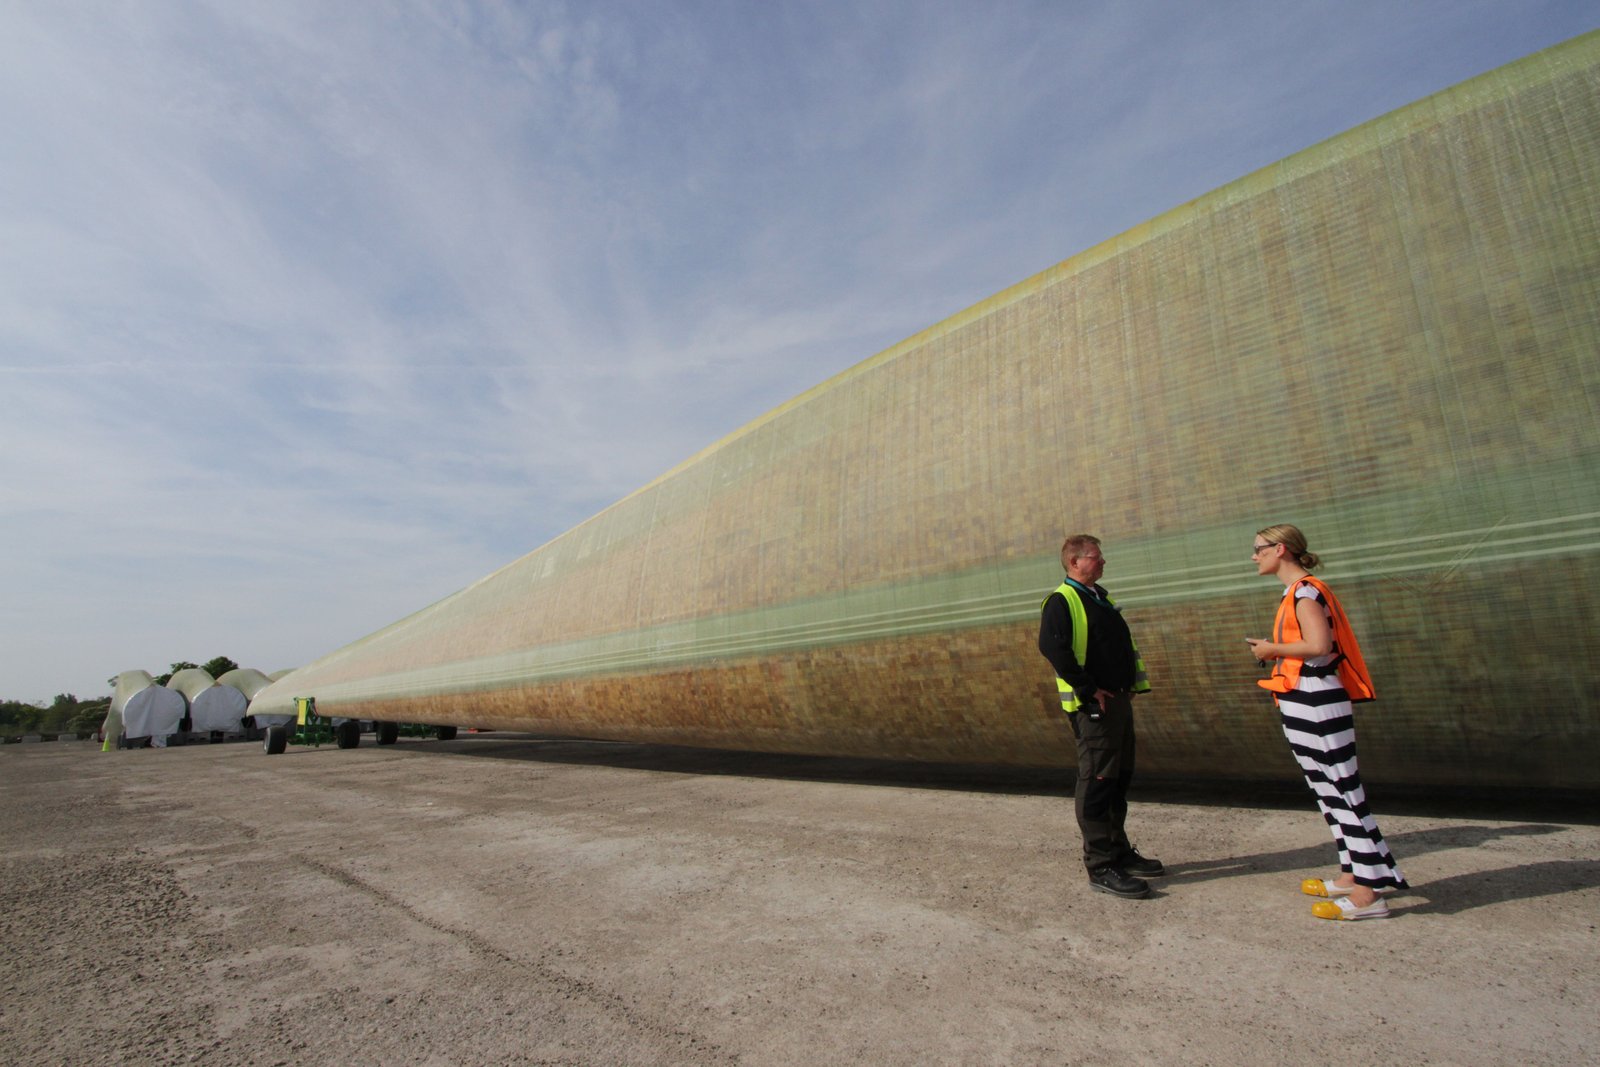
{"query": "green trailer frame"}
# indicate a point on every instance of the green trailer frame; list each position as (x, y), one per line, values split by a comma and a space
(311, 728)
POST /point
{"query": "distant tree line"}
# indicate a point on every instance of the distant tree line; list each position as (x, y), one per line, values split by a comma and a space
(66, 714)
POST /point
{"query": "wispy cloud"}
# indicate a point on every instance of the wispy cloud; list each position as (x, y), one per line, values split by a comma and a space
(311, 314)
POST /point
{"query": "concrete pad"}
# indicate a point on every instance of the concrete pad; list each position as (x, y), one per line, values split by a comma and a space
(505, 899)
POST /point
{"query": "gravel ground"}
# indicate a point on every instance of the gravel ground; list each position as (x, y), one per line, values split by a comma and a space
(509, 900)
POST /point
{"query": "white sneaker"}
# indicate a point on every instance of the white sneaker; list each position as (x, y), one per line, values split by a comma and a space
(1342, 908)
(1323, 887)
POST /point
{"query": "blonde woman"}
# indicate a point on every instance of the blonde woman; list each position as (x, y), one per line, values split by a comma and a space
(1317, 673)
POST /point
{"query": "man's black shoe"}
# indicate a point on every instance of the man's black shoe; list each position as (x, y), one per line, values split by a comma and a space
(1141, 866)
(1110, 880)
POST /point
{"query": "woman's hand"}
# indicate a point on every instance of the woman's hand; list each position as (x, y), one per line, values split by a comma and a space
(1262, 649)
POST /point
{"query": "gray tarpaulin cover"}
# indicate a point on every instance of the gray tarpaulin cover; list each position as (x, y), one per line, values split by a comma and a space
(153, 712)
(211, 706)
(128, 683)
(219, 708)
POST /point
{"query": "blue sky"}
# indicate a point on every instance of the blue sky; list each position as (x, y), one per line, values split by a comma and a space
(312, 314)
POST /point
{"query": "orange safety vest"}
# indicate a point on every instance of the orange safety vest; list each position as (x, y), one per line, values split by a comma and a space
(1286, 630)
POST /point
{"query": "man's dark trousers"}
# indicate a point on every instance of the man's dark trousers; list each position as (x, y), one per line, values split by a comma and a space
(1105, 770)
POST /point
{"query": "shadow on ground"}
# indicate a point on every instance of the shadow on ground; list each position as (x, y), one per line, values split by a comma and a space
(1443, 896)
(1493, 804)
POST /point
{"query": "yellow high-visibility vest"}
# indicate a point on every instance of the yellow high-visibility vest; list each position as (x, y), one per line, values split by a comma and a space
(1080, 647)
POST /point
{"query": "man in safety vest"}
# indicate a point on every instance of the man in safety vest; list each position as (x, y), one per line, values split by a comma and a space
(1098, 669)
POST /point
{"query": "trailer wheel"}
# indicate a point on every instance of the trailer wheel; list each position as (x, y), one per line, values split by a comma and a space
(387, 732)
(446, 733)
(348, 733)
(276, 740)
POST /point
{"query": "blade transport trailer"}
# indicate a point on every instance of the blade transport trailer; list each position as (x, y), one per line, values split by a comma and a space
(309, 728)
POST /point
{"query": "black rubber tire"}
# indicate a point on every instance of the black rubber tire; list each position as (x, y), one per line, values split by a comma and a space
(347, 734)
(446, 733)
(276, 740)
(387, 733)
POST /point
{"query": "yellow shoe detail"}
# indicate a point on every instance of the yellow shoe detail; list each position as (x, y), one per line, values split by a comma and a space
(1327, 909)
(1314, 887)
